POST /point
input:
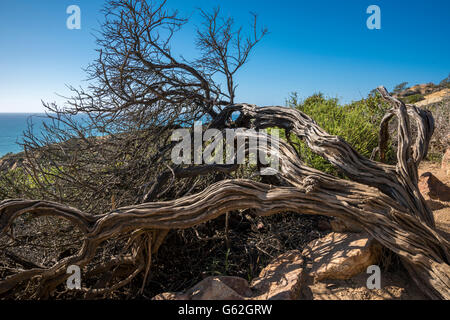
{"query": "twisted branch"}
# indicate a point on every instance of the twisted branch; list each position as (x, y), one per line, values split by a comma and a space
(382, 199)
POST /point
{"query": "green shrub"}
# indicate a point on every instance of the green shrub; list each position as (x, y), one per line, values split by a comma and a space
(18, 183)
(357, 123)
(412, 98)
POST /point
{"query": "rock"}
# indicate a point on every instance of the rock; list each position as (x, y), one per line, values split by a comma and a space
(282, 279)
(432, 187)
(446, 162)
(341, 255)
(423, 89)
(212, 288)
(166, 296)
(336, 256)
(433, 97)
(340, 225)
(442, 220)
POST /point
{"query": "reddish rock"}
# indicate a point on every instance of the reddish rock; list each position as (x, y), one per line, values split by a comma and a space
(340, 225)
(341, 255)
(212, 288)
(446, 162)
(280, 280)
(432, 187)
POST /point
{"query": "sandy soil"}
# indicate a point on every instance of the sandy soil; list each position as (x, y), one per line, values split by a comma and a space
(394, 286)
(434, 97)
(441, 209)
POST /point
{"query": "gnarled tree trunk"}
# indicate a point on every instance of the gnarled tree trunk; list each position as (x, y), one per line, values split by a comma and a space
(383, 199)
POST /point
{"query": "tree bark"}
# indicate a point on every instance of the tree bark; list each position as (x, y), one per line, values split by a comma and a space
(383, 199)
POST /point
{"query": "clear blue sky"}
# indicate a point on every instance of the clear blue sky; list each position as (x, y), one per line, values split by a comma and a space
(312, 46)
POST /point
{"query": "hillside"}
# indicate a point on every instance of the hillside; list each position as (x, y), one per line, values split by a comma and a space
(423, 94)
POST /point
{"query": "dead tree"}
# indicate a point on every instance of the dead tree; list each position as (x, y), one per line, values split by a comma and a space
(383, 199)
(139, 79)
(140, 90)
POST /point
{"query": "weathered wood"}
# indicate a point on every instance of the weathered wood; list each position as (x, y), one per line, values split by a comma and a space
(383, 199)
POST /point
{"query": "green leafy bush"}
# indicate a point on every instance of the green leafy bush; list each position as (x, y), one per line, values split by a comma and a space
(412, 98)
(357, 123)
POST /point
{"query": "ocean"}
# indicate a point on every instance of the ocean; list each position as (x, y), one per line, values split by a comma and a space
(12, 126)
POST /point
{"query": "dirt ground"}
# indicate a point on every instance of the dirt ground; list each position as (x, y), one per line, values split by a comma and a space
(395, 285)
(441, 209)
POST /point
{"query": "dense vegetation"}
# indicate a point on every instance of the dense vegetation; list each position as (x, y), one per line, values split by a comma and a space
(358, 123)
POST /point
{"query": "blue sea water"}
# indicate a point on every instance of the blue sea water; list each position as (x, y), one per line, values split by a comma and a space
(12, 126)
